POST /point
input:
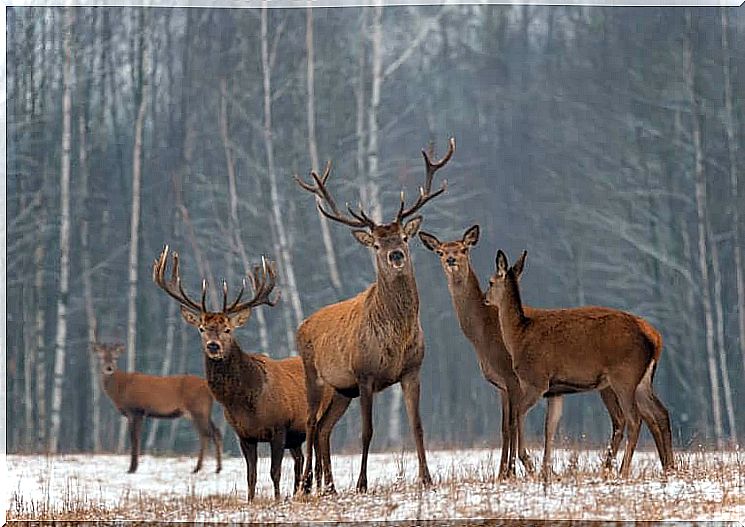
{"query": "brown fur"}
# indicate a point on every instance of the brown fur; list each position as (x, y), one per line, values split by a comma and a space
(480, 324)
(362, 345)
(264, 400)
(586, 348)
(138, 395)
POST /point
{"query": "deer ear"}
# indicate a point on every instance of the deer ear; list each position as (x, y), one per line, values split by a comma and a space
(239, 319)
(412, 226)
(191, 318)
(364, 237)
(429, 241)
(502, 264)
(471, 236)
(519, 265)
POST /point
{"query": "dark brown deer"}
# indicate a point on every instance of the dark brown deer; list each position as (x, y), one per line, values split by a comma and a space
(480, 324)
(264, 400)
(362, 345)
(582, 349)
(137, 395)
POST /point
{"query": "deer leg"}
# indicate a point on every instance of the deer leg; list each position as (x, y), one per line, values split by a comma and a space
(278, 449)
(657, 420)
(410, 387)
(504, 458)
(203, 442)
(521, 450)
(337, 407)
(553, 416)
(217, 440)
(633, 423)
(135, 427)
(366, 400)
(314, 401)
(617, 421)
(297, 456)
(248, 447)
(663, 420)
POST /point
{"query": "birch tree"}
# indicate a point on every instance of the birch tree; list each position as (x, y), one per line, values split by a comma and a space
(64, 237)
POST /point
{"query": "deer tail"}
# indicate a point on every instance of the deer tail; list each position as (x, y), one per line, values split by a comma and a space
(654, 337)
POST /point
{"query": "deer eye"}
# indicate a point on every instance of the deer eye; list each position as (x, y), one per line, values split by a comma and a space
(439, 253)
(376, 246)
(405, 238)
(201, 329)
(226, 330)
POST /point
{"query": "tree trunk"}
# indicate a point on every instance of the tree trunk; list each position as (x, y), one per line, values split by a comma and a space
(702, 221)
(720, 343)
(90, 312)
(165, 368)
(235, 225)
(729, 122)
(134, 224)
(328, 242)
(60, 339)
(373, 192)
(180, 369)
(283, 249)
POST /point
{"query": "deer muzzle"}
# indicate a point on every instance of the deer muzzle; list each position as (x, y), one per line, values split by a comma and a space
(213, 350)
(397, 257)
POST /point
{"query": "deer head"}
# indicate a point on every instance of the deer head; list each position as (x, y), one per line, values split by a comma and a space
(454, 256)
(504, 276)
(107, 356)
(216, 327)
(390, 241)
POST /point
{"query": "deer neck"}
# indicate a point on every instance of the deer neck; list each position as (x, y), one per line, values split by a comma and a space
(114, 383)
(512, 318)
(236, 377)
(396, 297)
(468, 301)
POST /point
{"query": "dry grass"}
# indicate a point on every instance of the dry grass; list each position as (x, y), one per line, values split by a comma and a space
(706, 485)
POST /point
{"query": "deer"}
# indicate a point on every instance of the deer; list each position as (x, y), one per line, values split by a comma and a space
(364, 344)
(480, 324)
(264, 399)
(137, 395)
(582, 349)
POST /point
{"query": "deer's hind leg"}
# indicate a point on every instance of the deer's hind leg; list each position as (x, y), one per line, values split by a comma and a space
(656, 417)
(314, 395)
(298, 458)
(504, 461)
(617, 422)
(278, 450)
(337, 407)
(553, 416)
(627, 400)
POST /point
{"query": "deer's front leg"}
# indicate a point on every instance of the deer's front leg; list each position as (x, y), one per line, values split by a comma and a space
(366, 400)
(410, 387)
(278, 449)
(248, 447)
(134, 421)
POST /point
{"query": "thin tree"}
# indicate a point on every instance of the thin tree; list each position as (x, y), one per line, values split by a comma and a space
(328, 242)
(732, 147)
(702, 221)
(282, 247)
(64, 237)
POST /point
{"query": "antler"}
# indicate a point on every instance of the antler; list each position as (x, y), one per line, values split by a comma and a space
(173, 287)
(263, 279)
(425, 192)
(355, 219)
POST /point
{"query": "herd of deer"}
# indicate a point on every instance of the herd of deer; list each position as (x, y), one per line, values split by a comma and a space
(362, 345)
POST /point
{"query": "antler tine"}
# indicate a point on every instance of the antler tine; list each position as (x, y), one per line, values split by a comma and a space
(204, 294)
(425, 192)
(224, 295)
(172, 287)
(237, 298)
(263, 280)
(325, 197)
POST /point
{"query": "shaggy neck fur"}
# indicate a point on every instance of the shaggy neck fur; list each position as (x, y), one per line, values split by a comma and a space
(237, 376)
(468, 301)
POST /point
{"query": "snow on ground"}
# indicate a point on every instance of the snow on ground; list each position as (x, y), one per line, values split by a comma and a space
(707, 485)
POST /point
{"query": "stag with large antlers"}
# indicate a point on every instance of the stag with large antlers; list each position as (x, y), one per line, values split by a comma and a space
(362, 345)
(480, 324)
(264, 400)
(583, 349)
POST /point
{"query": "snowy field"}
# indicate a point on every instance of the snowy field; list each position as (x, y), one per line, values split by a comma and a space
(707, 485)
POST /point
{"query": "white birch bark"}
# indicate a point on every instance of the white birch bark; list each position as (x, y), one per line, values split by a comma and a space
(40, 323)
(134, 237)
(373, 190)
(328, 242)
(165, 368)
(732, 147)
(90, 312)
(701, 215)
(284, 250)
(61, 335)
